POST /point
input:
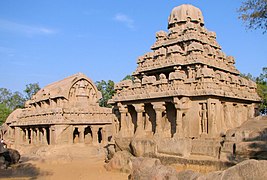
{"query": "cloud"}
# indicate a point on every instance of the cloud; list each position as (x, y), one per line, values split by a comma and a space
(125, 19)
(29, 30)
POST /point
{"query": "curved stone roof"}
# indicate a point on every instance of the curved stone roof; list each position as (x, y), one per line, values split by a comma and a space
(14, 116)
(183, 12)
(62, 88)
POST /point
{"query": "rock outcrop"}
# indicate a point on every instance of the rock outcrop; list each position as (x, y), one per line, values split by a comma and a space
(148, 168)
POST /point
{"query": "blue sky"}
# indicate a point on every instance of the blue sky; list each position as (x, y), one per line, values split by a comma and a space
(46, 41)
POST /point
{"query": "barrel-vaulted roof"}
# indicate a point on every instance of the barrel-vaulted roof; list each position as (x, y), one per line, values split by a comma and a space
(62, 88)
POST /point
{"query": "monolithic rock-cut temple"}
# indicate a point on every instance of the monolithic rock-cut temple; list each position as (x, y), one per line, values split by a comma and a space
(63, 112)
(185, 94)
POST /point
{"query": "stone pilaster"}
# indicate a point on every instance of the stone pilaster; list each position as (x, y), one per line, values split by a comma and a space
(182, 106)
(179, 118)
(95, 135)
(81, 130)
(124, 129)
(139, 108)
(17, 135)
(44, 141)
(26, 136)
(159, 108)
(37, 136)
(32, 136)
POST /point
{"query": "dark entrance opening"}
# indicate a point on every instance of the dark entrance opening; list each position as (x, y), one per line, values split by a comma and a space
(88, 135)
(76, 135)
(47, 135)
(29, 135)
(99, 133)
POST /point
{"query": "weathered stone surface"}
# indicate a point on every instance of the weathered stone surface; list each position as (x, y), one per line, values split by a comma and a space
(185, 88)
(187, 174)
(143, 147)
(249, 169)
(121, 161)
(64, 112)
(150, 168)
(123, 143)
(246, 141)
(175, 146)
(147, 168)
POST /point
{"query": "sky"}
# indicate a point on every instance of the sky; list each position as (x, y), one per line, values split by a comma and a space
(46, 41)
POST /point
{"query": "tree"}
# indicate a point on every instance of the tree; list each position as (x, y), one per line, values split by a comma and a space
(31, 89)
(4, 113)
(11, 100)
(261, 82)
(107, 90)
(254, 14)
(262, 90)
(8, 102)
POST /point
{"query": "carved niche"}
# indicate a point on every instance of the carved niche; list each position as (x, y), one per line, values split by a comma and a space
(82, 93)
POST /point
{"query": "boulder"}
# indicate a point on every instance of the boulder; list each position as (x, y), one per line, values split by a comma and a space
(8, 157)
(143, 147)
(121, 161)
(151, 168)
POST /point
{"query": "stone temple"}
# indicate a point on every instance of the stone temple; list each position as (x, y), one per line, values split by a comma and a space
(186, 92)
(64, 112)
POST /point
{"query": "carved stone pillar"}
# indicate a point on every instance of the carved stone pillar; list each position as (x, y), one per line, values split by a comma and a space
(159, 108)
(37, 136)
(81, 130)
(32, 136)
(44, 136)
(26, 136)
(17, 135)
(181, 106)
(95, 135)
(139, 108)
(124, 130)
(179, 118)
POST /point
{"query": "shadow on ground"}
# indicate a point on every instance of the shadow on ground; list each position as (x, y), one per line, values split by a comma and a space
(24, 169)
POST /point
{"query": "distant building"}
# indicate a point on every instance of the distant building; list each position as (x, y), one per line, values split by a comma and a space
(64, 112)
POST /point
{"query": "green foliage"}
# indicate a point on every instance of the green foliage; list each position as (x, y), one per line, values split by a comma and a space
(107, 90)
(31, 89)
(4, 113)
(247, 76)
(10, 101)
(254, 14)
(262, 89)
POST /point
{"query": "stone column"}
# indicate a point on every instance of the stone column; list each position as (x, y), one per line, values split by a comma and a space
(159, 108)
(17, 135)
(44, 136)
(26, 136)
(81, 130)
(95, 135)
(124, 130)
(179, 118)
(139, 108)
(32, 136)
(37, 136)
(182, 106)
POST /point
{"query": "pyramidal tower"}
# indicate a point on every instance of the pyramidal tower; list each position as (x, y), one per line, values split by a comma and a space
(185, 94)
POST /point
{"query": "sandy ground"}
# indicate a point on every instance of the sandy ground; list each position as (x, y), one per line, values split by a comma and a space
(62, 162)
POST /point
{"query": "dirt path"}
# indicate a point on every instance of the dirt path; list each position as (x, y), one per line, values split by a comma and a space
(62, 162)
